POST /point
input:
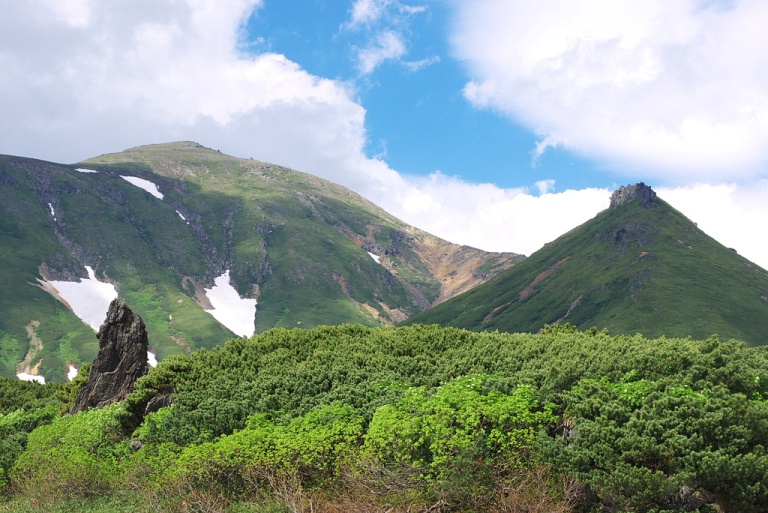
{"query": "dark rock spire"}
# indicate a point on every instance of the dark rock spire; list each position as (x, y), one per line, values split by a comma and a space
(122, 359)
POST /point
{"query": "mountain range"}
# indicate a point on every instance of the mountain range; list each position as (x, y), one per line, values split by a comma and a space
(204, 247)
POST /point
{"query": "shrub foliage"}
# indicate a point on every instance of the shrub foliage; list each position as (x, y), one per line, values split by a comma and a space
(350, 417)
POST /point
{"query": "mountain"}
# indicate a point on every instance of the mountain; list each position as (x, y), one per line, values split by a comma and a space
(194, 241)
(638, 267)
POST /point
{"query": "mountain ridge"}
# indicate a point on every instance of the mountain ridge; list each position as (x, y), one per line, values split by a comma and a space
(639, 266)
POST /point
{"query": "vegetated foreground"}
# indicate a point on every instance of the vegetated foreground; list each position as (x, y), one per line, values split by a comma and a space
(420, 418)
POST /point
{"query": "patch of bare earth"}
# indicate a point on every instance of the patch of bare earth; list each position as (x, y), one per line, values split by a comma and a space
(530, 288)
(200, 297)
(35, 346)
(541, 277)
(459, 268)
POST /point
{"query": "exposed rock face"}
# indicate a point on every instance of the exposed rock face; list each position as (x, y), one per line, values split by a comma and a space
(639, 192)
(122, 359)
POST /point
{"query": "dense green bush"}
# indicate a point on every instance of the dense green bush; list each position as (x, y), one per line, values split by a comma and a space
(75, 456)
(459, 427)
(422, 417)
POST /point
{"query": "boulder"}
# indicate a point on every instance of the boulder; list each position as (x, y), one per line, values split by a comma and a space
(122, 359)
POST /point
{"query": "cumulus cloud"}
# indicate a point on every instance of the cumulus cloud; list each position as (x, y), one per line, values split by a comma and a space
(677, 90)
(387, 45)
(732, 214)
(489, 217)
(106, 76)
(386, 22)
(370, 12)
(366, 12)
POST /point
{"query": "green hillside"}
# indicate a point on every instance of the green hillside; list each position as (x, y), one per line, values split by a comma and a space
(297, 244)
(636, 268)
(421, 418)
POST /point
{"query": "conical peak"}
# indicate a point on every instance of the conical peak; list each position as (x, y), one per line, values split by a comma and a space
(639, 192)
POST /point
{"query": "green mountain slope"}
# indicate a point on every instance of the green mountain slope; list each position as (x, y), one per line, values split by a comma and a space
(638, 267)
(297, 244)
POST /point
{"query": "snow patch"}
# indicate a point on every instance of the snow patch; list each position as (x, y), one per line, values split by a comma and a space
(375, 257)
(83, 170)
(144, 184)
(230, 309)
(181, 216)
(89, 299)
(53, 214)
(72, 372)
(151, 359)
(31, 377)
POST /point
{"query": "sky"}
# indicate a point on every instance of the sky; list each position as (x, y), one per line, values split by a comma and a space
(499, 124)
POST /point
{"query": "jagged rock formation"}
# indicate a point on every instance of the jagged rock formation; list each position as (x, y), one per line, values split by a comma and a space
(639, 192)
(122, 359)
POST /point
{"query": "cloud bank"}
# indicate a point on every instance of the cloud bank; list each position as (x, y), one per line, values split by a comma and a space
(676, 90)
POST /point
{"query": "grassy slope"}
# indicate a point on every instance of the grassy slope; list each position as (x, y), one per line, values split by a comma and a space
(631, 270)
(23, 246)
(280, 229)
(126, 235)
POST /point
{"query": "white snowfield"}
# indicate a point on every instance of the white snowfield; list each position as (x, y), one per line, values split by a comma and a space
(72, 372)
(151, 359)
(141, 183)
(83, 170)
(375, 257)
(89, 298)
(230, 309)
(53, 213)
(31, 377)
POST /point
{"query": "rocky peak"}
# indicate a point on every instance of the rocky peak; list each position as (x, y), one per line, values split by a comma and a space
(639, 191)
(122, 359)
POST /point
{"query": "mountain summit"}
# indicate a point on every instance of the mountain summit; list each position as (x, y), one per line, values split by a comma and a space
(638, 267)
(204, 247)
(638, 192)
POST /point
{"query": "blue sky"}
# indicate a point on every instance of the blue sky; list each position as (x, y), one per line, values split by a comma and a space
(418, 120)
(499, 124)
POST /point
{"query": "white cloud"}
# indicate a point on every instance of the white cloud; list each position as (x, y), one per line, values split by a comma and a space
(386, 23)
(371, 12)
(159, 71)
(388, 45)
(545, 186)
(423, 63)
(489, 217)
(732, 214)
(673, 89)
(366, 12)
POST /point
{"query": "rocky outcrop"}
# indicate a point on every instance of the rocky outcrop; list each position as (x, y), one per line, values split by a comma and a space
(122, 359)
(637, 192)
